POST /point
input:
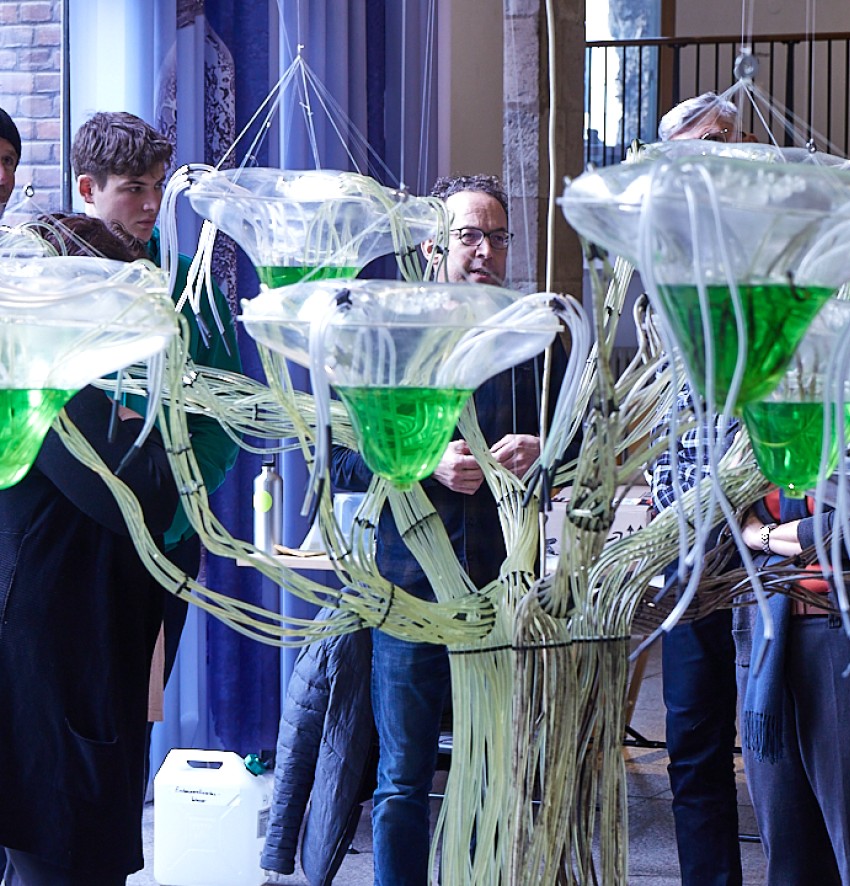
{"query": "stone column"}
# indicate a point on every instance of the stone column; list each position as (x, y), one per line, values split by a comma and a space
(526, 122)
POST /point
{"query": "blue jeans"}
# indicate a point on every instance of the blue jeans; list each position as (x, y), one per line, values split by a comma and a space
(802, 801)
(698, 671)
(410, 686)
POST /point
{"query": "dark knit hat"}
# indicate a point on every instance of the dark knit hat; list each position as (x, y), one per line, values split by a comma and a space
(9, 131)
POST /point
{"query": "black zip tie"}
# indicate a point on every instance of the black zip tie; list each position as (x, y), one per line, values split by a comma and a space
(532, 483)
(481, 651)
(386, 614)
(535, 647)
(190, 489)
(363, 521)
(538, 647)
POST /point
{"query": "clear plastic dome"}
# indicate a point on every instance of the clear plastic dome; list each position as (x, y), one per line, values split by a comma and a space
(787, 427)
(319, 223)
(404, 357)
(65, 321)
(734, 234)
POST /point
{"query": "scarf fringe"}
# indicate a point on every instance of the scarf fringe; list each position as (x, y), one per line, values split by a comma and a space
(763, 736)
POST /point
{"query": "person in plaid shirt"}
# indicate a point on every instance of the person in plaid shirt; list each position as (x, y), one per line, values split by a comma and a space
(698, 657)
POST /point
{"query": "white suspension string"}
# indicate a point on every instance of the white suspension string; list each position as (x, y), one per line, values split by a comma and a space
(425, 119)
(403, 142)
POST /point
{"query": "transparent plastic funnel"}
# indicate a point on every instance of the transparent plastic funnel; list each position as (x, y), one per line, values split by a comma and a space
(739, 246)
(65, 321)
(788, 428)
(404, 357)
(310, 224)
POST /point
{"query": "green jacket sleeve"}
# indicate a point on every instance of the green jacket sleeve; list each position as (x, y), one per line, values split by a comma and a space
(215, 451)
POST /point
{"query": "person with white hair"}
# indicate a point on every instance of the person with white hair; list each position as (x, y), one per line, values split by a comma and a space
(708, 117)
(698, 656)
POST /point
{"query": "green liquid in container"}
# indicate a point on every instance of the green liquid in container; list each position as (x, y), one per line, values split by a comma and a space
(275, 276)
(25, 417)
(403, 431)
(787, 438)
(776, 317)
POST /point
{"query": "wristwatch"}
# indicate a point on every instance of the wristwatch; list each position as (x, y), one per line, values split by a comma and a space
(765, 537)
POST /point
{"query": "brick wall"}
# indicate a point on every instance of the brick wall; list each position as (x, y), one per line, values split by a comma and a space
(30, 59)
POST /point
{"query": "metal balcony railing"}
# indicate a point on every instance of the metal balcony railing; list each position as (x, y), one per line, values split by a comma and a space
(630, 84)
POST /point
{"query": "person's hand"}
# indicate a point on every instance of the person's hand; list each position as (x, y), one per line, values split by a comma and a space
(751, 532)
(458, 470)
(517, 452)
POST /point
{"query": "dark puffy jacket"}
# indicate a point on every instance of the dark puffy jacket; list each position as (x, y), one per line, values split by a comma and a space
(324, 756)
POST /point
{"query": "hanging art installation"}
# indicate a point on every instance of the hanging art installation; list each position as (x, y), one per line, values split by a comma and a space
(741, 249)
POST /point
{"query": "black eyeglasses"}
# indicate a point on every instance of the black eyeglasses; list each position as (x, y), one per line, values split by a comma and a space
(499, 239)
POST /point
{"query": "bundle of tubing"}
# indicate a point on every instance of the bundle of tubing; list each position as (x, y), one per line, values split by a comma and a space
(539, 660)
(552, 650)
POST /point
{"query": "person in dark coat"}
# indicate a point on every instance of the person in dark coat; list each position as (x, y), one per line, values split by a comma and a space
(324, 764)
(10, 156)
(79, 616)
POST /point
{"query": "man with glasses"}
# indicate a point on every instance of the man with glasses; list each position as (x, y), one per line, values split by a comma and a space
(411, 681)
(479, 235)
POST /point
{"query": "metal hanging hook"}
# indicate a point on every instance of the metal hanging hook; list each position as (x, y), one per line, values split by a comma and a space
(746, 65)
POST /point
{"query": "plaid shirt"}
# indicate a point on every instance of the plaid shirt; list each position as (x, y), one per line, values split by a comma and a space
(691, 451)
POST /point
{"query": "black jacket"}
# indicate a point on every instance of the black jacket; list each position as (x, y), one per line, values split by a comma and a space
(324, 756)
(79, 615)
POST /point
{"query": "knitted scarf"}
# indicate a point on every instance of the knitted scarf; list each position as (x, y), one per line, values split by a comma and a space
(762, 716)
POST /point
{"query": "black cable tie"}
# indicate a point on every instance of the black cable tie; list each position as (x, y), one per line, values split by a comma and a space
(386, 614)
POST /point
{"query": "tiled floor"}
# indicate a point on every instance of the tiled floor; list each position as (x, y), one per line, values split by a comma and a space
(652, 851)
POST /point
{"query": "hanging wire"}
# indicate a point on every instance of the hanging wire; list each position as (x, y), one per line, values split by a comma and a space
(425, 121)
(403, 117)
(810, 50)
(552, 144)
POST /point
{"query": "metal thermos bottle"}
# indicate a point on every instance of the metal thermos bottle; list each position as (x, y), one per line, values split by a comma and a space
(268, 506)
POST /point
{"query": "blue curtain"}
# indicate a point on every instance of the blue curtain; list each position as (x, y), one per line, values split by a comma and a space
(242, 676)
(226, 689)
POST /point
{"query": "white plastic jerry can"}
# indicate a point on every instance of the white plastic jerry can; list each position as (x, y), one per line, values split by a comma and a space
(210, 819)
